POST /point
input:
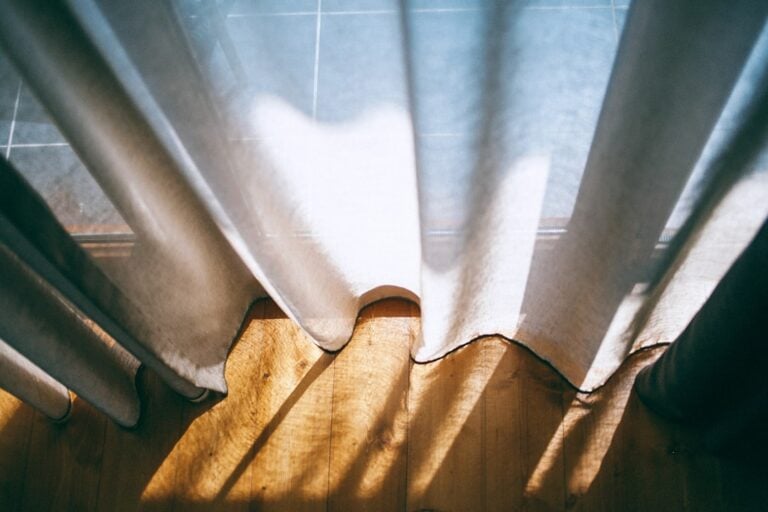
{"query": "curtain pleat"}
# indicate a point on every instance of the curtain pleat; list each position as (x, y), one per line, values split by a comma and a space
(266, 216)
(43, 325)
(724, 343)
(573, 179)
(28, 382)
(651, 131)
(184, 293)
(572, 300)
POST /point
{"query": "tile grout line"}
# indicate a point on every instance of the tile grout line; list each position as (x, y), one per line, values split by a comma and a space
(372, 11)
(441, 134)
(564, 7)
(267, 138)
(315, 83)
(268, 14)
(316, 78)
(13, 122)
(615, 25)
(426, 10)
(40, 145)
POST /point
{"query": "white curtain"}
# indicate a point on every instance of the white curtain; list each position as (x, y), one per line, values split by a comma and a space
(558, 173)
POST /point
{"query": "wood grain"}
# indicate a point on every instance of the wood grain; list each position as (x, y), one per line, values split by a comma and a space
(524, 404)
(15, 425)
(290, 455)
(489, 427)
(370, 412)
(131, 457)
(446, 468)
(71, 454)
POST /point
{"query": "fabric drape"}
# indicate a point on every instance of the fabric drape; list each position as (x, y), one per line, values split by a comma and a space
(48, 322)
(518, 169)
(723, 343)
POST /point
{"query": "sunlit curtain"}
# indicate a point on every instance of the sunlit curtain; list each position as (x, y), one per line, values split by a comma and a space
(574, 176)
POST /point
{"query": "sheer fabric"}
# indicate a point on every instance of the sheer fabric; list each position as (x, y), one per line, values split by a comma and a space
(561, 175)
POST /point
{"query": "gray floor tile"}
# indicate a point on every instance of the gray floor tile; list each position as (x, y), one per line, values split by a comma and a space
(567, 3)
(445, 166)
(246, 59)
(553, 67)
(272, 6)
(277, 54)
(33, 124)
(446, 4)
(73, 195)
(621, 18)
(446, 53)
(559, 65)
(360, 5)
(468, 4)
(9, 83)
(246, 7)
(361, 66)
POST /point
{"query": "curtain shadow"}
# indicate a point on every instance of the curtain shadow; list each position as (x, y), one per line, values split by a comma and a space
(382, 437)
(614, 450)
(16, 419)
(309, 378)
(517, 411)
(626, 433)
(675, 473)
(89, 462)
(369, 434)
(271, 369)
(489, 427)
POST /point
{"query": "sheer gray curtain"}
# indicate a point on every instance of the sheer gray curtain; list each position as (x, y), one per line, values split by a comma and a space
(574, 177)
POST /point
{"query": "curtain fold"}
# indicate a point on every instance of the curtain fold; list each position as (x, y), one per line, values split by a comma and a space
(723, 343)
(182, 288)
(651, 131)
(576, 179)
(48, 319)
(28, 382)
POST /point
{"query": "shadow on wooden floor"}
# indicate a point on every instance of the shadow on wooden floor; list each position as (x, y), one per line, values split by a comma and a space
(490, 427)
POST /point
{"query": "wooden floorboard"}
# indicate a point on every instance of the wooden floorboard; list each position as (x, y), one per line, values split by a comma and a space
(523, 411)
(15, 426)
(132, 457)
(369, 431)
(446, 456)
(489, 427)
(72, 455)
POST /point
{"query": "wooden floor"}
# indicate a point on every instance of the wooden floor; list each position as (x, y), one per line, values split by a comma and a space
(489, 427)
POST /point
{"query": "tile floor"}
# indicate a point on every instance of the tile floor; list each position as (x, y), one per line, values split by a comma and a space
(337, 60)
(40, 152)
(332, 60)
